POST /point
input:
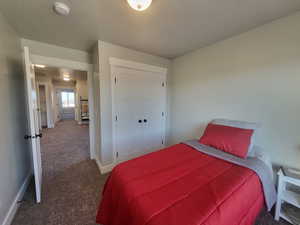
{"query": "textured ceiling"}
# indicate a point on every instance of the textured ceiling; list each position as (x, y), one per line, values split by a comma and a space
(169, 28)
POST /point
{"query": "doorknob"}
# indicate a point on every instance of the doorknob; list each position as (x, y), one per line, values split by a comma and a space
(145, 121)
(26, 137)
(140, 121)
(40, 135)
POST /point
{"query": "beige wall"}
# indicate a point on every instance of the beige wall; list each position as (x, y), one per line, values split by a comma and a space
(44, 49)
(105, 51)
(255, 77)
(96, 96)
(82, 89)
(14, 151)
(81, 92)
(46, 80)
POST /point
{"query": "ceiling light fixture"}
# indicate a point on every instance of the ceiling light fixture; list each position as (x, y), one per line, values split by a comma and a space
(67, 79)
(61, 8)
(139, 5)
(39, 66)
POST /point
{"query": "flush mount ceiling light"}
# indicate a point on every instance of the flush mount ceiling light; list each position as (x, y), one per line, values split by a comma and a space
(66, 77)
(139, 5)
(39, 66)
(61, 8)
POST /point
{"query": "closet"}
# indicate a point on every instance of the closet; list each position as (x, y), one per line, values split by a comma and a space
(139, 110)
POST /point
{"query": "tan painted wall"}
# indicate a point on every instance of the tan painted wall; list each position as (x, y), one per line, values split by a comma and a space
(96, 95)
(40, 78)
(14, 151)
(81, 91)
(255, 77)
(105, 51)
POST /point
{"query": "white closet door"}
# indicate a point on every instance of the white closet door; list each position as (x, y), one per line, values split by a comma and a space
(129, 113)
(154, 111)
(139, 101)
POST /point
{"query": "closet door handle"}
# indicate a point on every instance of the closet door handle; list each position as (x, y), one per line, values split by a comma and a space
(145, 121)
(140, 121)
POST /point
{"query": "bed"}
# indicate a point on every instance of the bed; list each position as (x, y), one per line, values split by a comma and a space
(181, 185)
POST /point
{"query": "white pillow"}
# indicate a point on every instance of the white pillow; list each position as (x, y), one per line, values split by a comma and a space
(242, 125)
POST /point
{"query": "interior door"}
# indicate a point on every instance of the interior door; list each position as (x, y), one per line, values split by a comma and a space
(34, 135)
(139, 105)
(154, 103)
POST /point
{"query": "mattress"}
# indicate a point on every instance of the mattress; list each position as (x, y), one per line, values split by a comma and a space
(180, 185)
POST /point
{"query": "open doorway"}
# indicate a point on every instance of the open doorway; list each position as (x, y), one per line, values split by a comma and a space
(64, 118)
(66, 104)
(62, 95)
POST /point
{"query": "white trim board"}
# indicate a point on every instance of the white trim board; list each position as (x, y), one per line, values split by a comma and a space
(15, 205)
(105, 169)
(108, 168)
(58, 62)
(135, 65)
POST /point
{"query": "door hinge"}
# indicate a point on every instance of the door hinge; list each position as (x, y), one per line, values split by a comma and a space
(115, 80)
(116, 118)
(163, 114)
(163, 84)
(117, 154)
(162, 141)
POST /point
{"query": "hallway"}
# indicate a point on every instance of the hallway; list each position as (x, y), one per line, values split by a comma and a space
(71, 181)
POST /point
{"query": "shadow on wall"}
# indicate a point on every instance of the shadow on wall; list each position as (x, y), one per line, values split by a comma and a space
(18, 111)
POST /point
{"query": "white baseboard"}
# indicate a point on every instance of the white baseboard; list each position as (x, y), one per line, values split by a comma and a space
(106, 168)
(15, 205)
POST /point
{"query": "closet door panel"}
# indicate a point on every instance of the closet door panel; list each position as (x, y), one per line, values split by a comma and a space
(139, 102)
(154, 110)
(129, 127)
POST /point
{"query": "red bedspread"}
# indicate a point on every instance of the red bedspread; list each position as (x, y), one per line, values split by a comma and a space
(180, 186)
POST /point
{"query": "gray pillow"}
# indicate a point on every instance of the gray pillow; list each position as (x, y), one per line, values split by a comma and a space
(258, 152)
(240, 124)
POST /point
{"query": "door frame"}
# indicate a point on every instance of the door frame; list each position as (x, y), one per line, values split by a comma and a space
(75, 65)
(116, 63)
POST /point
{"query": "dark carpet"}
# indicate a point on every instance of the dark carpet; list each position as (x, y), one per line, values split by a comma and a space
(72, 183)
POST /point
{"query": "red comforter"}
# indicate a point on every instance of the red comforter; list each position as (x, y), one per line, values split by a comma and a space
(180, 186)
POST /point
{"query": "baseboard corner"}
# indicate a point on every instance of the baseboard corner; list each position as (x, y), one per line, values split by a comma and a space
(15, 205)
(104, 168)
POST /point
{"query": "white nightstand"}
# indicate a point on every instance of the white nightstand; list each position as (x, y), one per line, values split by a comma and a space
(285, 178)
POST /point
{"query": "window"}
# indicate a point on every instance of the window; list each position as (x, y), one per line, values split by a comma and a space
(68, 99)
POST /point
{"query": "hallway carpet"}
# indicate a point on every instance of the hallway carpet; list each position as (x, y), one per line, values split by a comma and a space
(72, 183)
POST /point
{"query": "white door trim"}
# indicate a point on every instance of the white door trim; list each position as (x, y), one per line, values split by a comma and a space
(136, 65)
(75, 65)
(58, 62)
(117, 63)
